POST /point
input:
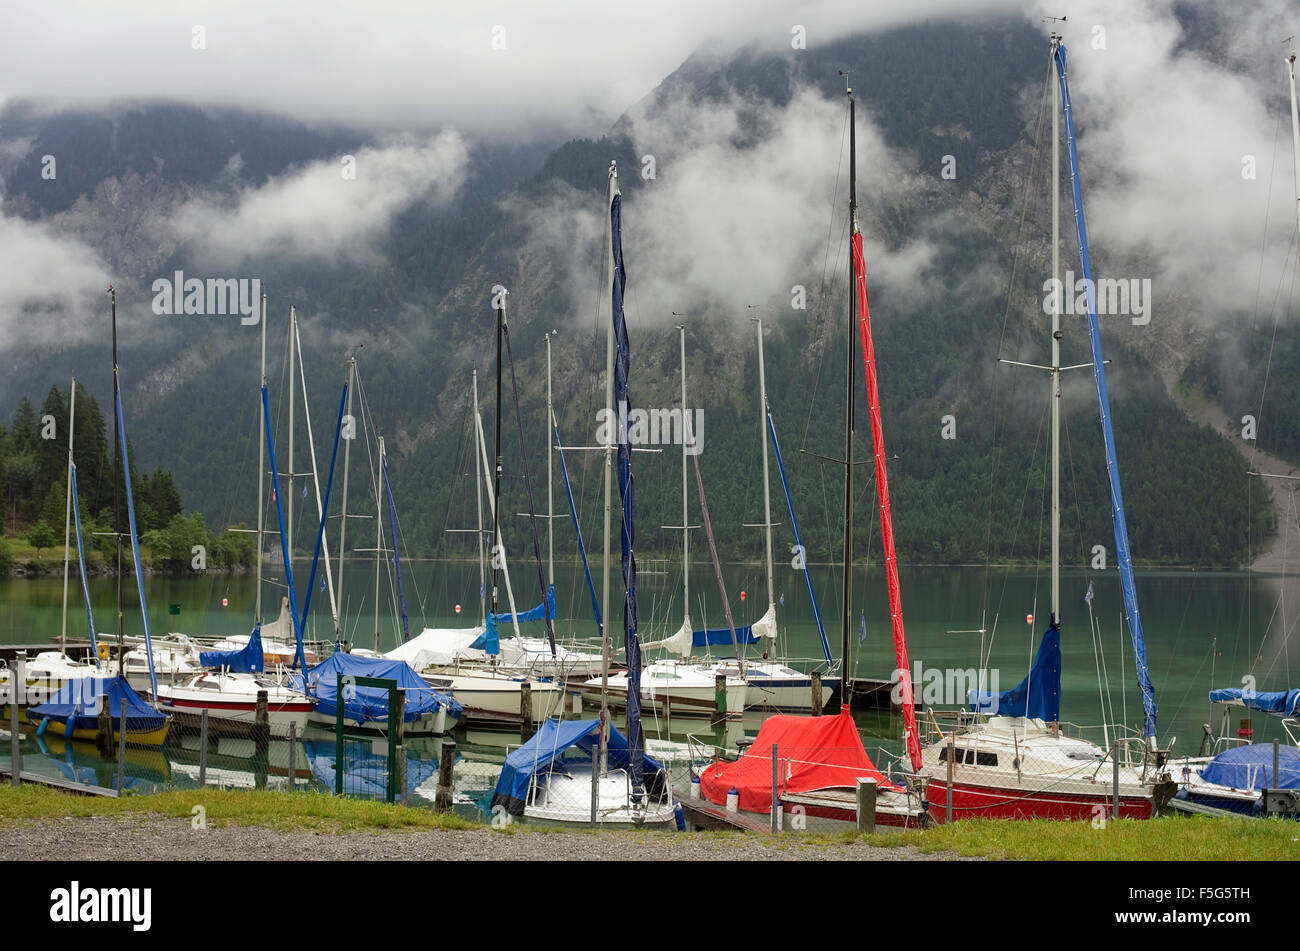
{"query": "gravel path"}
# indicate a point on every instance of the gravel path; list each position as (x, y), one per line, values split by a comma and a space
(158, 838)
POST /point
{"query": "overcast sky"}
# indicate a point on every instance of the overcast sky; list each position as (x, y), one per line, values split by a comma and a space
(1166, 131)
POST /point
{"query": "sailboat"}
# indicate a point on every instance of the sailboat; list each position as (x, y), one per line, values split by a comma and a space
(819, 759)
(76, 707)
(229, 693)
(585, 771)
(1018, 762)
(769, 684)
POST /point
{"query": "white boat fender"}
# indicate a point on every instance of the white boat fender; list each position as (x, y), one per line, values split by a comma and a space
(733, 800)
(695, 787)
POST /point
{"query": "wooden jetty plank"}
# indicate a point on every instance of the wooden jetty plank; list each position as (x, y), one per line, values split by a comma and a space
(65, 784)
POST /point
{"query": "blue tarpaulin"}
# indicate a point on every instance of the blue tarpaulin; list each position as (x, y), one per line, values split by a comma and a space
(490, 642)
(247, 660)
(365, 704)
(1283, 703)
(1251, 767)
(714, 637)
(549, 744)
(1038, 695)
(78, 702)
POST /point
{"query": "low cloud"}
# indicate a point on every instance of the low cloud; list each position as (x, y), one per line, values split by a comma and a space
(53, 284)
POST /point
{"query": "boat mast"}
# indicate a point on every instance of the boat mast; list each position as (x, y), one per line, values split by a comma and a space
(261, 475)
(1056, 347)
(846, 686)
(379, 538)
(478, 501)
(611, 421)
(550, 514)
(67, 516)
(1295, 134)
(686, 518)
(767, 495)
(117, 514)
(315, 479)
(288, 508)
(349, 434)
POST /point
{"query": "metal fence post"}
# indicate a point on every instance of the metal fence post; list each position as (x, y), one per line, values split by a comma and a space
(396, 734)
(203, 747)
(338, 737)
(17, 683)
(121, 750)
(867, 804)
(1276, 766)
(293, 752)
(952, 755)
(1114, 805)
(776, 794)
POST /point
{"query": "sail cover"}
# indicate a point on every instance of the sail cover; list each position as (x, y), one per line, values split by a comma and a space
(1283, 703)
(812, 753)
(364, 704)
(490, 639)
(247, 660)
(549, 744)
(438, 645)
(78, 702)
(1038, 696)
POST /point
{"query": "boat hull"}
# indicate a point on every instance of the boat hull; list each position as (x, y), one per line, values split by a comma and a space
(1011, 802)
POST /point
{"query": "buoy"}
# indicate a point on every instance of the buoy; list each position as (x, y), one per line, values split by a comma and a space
(225, 602)
(742, 596)
(695, 787)
(1029, 619)
(458, 609)
(733, 800)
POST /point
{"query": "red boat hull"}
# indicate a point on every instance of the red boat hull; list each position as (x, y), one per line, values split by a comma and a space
(1009, 803)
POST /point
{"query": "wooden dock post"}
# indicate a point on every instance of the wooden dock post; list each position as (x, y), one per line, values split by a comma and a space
(867, 804)
(398, 739)
(203, 747)
(816, 694)
(719, 699)
(17, 685)
(121, 750)
(527, 728)
(446, 768)
(261, 741)
(104, 731)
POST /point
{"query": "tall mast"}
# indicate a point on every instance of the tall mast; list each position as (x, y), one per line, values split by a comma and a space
(478, 502)
(767, 495)
(846, 672)
(686, 516)
(611, 421)
(1295, 134)
(67, 516)
(296, 344)
(495, 498)
(117, 515)
(261, 475)
(347, 455)
(288, 507)
(1056, 347)
(379, 536)
(550, 514)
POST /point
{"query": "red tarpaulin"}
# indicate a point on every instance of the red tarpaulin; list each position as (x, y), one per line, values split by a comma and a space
(812, 753)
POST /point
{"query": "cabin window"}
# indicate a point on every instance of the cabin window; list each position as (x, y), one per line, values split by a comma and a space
(968, 757)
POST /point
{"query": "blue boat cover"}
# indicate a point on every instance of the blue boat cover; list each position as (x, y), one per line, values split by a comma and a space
(490, 641)
(548, 745)
(1283, 703)
(1251, 767)
(77, 706)
(1038, 695)
(366, 704)
(714, 637)
(248, 660)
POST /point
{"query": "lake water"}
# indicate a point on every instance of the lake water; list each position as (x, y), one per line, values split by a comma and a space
(1246, 619)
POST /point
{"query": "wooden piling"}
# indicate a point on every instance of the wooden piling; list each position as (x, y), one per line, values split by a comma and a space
(867, 804)
(121, 750)
(719, 699)
(293, 753)
(526, 710)
(203, 747)
(446, 767)
(816, 694)
(262, 725)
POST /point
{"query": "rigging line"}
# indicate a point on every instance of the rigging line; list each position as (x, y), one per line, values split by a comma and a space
(822, 287)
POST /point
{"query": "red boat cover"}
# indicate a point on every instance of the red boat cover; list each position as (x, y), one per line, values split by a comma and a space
(812, 752)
